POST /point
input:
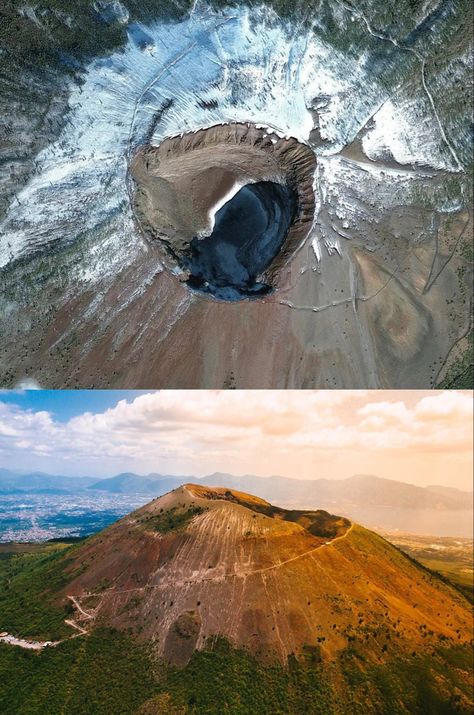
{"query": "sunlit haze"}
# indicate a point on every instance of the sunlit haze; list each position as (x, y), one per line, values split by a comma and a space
(422, 437)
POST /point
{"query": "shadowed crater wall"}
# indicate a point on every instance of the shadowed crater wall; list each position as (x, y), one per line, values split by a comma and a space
(249, 231)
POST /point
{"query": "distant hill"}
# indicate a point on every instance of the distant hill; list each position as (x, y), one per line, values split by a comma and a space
(12, 482)
(373, 501)
(357, 495)
(449, 491)
(129, 483)
(359, 489)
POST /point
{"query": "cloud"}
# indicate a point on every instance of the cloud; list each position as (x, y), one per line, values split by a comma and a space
(439, 422)
(386, 411)
(188, 426)
(447, 406)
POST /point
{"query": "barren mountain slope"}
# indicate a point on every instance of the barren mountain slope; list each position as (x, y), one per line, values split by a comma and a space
(201, 562)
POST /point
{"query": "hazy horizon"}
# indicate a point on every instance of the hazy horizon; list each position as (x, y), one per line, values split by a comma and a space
(200, 477)
(420, 437)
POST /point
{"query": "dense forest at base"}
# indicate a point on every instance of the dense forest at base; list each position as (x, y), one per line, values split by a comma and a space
(56, 32)
(107, 672)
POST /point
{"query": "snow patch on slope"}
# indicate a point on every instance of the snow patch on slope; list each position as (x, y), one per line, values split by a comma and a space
(171, 78)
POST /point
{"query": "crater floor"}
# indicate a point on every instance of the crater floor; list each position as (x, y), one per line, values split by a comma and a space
(249, 231)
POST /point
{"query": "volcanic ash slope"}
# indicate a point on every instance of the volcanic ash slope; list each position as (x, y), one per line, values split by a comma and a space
(201, 562)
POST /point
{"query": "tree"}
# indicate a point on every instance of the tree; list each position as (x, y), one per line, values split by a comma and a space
(161, 705)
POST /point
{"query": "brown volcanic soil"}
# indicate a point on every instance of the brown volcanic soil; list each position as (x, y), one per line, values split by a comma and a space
(145, 329)
(180, 181)
(201, 562)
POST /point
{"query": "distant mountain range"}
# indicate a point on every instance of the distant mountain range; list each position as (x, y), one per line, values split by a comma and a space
(361, 490)
(38, 483)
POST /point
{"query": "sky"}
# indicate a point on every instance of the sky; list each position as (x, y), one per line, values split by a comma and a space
(421, 437)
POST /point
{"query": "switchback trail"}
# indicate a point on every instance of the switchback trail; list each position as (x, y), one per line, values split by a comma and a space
(39, 645)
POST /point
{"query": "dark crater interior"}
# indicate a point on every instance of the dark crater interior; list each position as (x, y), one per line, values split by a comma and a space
(249, 232)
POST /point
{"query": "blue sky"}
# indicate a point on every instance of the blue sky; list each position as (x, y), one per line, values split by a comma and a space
(424, 437)
(64, 404)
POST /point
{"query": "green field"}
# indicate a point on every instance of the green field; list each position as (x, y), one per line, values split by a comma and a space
(450, 557)
(455, 572)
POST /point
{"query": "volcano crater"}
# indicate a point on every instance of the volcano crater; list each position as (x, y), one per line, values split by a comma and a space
(227, 206)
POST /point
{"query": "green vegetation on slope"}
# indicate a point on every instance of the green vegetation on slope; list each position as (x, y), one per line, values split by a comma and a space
(108, 672)
(438, 683)
(45, 28)
(27, 582)
(52, 27)
(453, 572)
(448, 557)
(57, 25)
(102, 674)
(172, 519)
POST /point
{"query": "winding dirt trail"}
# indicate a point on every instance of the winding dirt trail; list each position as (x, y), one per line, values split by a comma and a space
(79, 607)
(73, 624)
(220, 577)
(40, 645)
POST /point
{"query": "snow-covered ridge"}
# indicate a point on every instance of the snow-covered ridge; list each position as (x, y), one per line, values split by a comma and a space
(211, 68)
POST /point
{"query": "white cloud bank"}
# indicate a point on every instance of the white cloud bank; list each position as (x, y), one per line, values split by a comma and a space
(297, 433)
